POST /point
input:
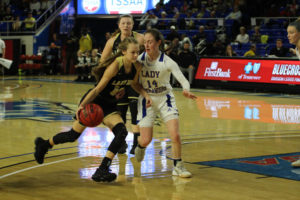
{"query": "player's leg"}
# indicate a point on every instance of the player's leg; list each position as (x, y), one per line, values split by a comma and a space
(116, 124)
(146, 118)
(42, 146)
(169, 114)
(122, 107)
(173, 130)
(133, 102)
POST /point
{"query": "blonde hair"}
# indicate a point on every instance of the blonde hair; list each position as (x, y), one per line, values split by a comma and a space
(99, 70)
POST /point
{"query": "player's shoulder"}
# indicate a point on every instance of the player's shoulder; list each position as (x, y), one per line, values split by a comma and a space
(166, 59)
(142, 57)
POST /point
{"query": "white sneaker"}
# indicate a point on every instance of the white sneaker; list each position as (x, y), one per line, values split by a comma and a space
(296, 163)
(181, 171)
(139, 153)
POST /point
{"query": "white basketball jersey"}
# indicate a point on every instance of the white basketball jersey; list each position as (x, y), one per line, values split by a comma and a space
(297, 53)
(155, 75)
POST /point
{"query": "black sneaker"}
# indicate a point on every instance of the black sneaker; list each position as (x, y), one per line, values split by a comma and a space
(132, 149)
(123, 148)
(103, 175)
(41, 149)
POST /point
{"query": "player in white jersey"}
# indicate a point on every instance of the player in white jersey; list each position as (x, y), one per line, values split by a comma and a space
(293, 31)
(155, 79)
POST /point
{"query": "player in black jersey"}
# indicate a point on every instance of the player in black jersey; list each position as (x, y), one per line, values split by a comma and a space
(125, 26)
(120, 70)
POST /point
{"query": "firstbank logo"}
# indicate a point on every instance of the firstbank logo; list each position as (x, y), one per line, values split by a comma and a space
(214, 71)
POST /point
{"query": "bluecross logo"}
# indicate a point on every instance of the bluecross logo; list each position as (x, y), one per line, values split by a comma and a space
(249, 67)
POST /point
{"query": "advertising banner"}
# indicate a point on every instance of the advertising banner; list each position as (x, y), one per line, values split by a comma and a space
(109, 7)
(249, 70)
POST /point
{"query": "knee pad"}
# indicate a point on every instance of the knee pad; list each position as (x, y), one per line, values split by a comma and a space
(70, 136)
(133, 110)
(120, 133)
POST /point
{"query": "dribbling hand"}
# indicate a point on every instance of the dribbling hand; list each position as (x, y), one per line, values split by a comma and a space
(148, 102)
(78, 112)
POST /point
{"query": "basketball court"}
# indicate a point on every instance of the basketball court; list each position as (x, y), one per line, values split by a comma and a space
(237, 145)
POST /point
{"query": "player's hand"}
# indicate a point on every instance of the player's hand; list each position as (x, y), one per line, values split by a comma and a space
(120, 94)
(80, 108)
(189, 95)
(148, 102)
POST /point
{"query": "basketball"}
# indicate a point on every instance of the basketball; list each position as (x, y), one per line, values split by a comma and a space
(91, 115)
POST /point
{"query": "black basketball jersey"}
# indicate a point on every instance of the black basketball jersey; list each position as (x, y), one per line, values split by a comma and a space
(119, 81)
(118, 41)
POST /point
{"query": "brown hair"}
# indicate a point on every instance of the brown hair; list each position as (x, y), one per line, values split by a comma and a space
(99, 70)
(119, 19)
(296, 24)
(157, 36)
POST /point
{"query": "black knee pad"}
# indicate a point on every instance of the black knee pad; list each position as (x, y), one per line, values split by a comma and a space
(70, 136)
(120, 133)
(133, 110)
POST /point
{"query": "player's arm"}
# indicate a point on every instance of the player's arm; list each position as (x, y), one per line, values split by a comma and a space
(138, 87)
(107, 51)
(182, 80)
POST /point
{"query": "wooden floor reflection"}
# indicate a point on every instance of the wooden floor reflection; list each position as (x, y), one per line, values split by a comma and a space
(237, 145)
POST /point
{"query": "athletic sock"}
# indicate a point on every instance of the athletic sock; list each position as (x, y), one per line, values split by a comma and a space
(141, 147)
(135, 138)
(48, 145)
(176, 160)
(106, 162)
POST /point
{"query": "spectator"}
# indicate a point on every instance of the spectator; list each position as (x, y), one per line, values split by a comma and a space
(184, 39)
(189, 22)
(173, 34)
(187, 61)
(256, 36)
(212, 24)
(201, 35)
(71, 50)
(17, 24)
(203, 12)
(55, 46)
(35, 7)
(85, 41)
(279, 50)
(163, 23)
(45, 5)
(229, 51)
(243, 37)
(251, 52)
(185, 7)
(148, 20)
(236, 17)
(8, 16)
(216, 49)
(29, 22)
(80, 66)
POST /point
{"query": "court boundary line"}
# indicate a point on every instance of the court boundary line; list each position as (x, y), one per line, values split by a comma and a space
(36, 166)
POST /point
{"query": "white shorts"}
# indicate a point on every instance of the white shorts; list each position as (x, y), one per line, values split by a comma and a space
(164, 105)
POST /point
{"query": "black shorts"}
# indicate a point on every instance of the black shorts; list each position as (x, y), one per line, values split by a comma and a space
(130, 93)
(108, 105)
